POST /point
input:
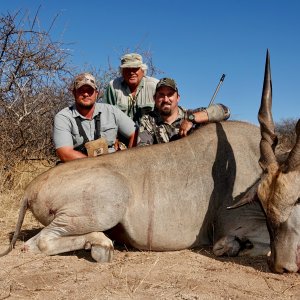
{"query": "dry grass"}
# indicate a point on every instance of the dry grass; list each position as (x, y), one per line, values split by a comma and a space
(12, 185)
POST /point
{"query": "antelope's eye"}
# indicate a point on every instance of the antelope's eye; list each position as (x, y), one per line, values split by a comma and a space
(298, 201)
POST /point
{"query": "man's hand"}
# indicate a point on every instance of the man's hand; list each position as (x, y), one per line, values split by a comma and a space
(67, 153)
(185, 127)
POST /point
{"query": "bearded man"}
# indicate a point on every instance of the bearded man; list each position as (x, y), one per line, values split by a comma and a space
(169, 121)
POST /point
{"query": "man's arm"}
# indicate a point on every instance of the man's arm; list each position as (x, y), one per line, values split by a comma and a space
(67, 153)
(63, 140)
(126, 127)
(213, 113)
(186, 125)
(132, 140)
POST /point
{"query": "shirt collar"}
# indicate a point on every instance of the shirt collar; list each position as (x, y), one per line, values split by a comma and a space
(75, 112)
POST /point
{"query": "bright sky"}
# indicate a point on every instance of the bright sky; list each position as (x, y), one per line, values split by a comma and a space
(194, 42)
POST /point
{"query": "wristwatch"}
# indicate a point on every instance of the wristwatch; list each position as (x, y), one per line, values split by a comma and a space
(191, 118)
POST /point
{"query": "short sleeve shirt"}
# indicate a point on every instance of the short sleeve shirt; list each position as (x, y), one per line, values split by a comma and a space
(119, 94)
(112, 122)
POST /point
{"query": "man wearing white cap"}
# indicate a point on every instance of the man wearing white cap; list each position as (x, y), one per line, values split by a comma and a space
(133, 91)
(87, 122)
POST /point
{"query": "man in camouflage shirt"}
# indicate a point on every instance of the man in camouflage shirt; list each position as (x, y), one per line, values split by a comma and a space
(168, 121)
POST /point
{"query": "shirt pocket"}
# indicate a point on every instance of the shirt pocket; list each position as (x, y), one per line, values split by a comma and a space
(76, 137)
(77, 140)
(109, 132)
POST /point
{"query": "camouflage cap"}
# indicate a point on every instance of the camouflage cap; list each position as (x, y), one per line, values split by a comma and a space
(131, 60)
(84, 79)
(167, 82)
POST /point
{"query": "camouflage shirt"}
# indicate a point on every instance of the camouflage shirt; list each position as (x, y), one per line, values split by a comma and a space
(153, 129)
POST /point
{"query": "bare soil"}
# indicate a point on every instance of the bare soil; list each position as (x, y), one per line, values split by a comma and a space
(188, 274)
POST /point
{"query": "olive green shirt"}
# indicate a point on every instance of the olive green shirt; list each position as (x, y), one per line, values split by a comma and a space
(118, 93)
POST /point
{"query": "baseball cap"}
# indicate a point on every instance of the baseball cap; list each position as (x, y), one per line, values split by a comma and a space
(131, 60)
(84, 79)
(167, 82)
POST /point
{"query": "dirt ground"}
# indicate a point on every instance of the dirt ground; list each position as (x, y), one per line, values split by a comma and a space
(187, 274)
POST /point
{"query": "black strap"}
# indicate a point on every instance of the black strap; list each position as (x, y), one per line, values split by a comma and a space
(78, 120)
(97, 133)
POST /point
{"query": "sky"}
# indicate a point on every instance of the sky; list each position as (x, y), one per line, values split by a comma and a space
(194, 42)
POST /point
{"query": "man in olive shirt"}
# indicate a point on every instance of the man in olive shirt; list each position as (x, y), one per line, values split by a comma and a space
(133, 91)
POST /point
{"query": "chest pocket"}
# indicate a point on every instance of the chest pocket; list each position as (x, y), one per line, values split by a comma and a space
(109, 132)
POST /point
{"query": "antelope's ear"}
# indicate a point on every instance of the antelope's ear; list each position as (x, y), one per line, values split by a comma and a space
(248, 197)
(293, 160)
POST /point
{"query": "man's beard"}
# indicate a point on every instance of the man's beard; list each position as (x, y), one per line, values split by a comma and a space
(165, 110)
(165, 113)
(85, 106)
